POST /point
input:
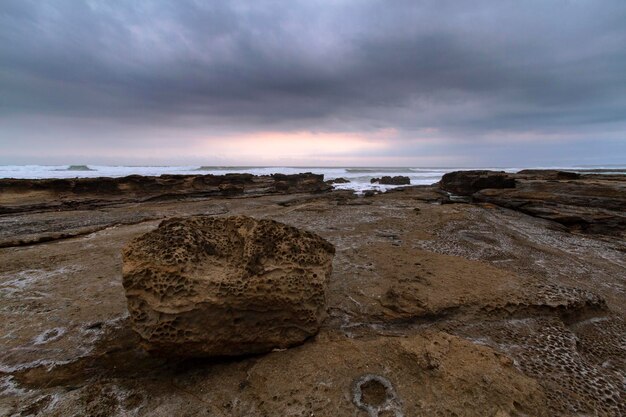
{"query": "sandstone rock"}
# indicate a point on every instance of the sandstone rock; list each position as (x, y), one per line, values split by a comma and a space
(431, 374)
(468, 182)
(306, 182)
(23, 195)
(206, 286)
(387, 180)
(231, 189)
(548, 174)
(431, 288)
(397, 180)
(522, 313)
(591, 203)
(339, 180)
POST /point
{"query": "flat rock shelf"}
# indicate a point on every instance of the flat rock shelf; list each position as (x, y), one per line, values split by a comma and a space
(473, 297)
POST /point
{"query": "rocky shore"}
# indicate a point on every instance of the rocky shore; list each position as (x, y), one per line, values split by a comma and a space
(22, 195)
(593, 203)
(488, 294)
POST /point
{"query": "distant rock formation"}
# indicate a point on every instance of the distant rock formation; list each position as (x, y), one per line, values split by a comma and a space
(207, 286)
(78, 168)
(20, 195)
(592, 202)
(549, 174)
(339, 180)
(387, 180)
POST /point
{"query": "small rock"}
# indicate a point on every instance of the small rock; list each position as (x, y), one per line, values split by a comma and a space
(338, 181)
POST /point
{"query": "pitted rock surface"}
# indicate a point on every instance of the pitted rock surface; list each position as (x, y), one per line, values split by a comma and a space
(434, 310)
(206, 286)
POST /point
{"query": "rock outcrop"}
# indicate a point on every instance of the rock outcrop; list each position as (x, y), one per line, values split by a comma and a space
(548, 174)
(206, 286)
(592, 203)
(434, 374)
(388, 180)
(466, 183)
(339, 180)
(22, 195)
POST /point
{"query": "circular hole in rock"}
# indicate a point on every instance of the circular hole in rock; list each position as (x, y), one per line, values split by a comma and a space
(373, 393)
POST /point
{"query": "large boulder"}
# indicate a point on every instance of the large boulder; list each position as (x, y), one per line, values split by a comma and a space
(207, 286)
(397, 180)
(467, 183)
(305, 182)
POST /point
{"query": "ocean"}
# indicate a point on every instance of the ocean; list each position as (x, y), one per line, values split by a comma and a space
(359, 177)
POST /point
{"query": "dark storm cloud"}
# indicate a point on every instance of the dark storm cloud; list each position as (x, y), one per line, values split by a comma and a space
(467, 68)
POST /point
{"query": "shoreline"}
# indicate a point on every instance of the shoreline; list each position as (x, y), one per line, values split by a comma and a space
(426, 293)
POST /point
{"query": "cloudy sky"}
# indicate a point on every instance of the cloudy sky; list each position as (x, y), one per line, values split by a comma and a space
(316, 82)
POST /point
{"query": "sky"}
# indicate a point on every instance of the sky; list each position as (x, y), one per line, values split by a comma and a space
(313, 83)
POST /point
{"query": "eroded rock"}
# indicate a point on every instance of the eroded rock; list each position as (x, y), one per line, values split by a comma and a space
(375, 394)
(24, 195)
(397, 180)
(205, 286)
(388, 180)
(466, 183)
(431, 374)
(590, 203)
(339, 180)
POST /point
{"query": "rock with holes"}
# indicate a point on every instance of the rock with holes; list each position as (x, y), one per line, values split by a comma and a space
(206, 286)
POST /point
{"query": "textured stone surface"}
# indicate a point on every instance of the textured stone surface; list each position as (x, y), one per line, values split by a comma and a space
(388, 180)
(433, 310)
(24, 195)
(591, 203)
(432, 374)
(205, 286)
(467, 183)
(339, 180)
